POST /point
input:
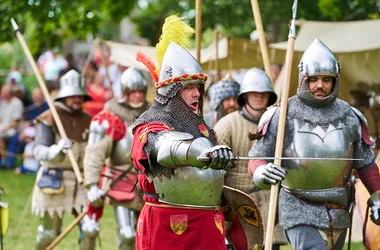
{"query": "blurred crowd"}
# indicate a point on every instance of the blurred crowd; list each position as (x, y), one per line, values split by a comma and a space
(20, 104)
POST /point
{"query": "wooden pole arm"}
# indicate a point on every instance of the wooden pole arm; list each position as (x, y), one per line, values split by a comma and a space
(49, 101)
(262, 40)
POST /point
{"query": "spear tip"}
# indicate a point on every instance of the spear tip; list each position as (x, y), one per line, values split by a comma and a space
(14, 24)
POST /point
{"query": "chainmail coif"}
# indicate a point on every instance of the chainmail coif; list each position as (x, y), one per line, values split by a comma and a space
(178, 116)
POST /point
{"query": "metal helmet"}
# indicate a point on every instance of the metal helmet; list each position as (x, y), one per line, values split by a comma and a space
(178, 69)
(71, 85)
(225, 88)
(256, 80)
(134, 80)
(318, 60)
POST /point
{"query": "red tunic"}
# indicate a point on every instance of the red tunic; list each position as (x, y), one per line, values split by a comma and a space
(167, 228)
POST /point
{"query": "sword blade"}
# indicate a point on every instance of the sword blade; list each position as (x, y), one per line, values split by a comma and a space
(247, 158)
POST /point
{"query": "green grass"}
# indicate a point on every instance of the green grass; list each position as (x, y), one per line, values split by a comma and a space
(23, 225)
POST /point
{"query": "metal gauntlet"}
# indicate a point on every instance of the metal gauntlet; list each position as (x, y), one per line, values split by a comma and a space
(374, 203)
(176, 149)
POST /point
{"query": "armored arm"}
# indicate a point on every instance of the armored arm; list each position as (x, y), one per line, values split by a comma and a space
(97, 151)
(45, 149)
(175, 149)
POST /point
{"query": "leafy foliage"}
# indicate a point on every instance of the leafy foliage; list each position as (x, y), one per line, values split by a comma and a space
(54, 21)
(235, 17)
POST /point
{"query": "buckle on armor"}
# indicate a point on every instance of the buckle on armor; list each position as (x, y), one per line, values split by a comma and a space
(155, 195)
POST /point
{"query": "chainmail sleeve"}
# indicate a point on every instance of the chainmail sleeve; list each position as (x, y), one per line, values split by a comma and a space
(361, 149)
(265, 146)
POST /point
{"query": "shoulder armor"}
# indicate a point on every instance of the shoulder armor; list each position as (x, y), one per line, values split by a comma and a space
(267, 116)
(265, 120)
(364, 126)
(97, 131)
(112, 123)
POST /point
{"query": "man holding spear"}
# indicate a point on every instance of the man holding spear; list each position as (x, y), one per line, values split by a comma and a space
(326, 139)
(57, 190)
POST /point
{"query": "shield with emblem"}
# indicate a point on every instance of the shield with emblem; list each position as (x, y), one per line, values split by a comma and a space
(248, 213)
(178, 223)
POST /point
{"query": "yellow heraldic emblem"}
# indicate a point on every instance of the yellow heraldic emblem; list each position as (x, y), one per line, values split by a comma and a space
(143, 135)
(249, 215)
(203, 129)
(178, 223)
(219, 222)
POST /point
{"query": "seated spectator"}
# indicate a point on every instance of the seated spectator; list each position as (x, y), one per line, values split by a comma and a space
(11, 110)
(18, 88)
(95, 88)
(30, 164)
(37, 107)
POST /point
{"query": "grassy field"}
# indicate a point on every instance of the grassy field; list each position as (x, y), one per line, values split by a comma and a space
(23, 226)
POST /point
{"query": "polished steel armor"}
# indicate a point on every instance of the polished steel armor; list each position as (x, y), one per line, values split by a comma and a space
(71, 85)
(256, 80)
(133, 80)
(318, 142)
(177, 62)
(191, 184)
(192, 187)
(121, 154)
(318, 60)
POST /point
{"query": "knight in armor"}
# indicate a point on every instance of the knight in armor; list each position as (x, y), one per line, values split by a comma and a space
(57, 190)
(108, 154)
(223, 99)
(182, 194)
(235, 130)
(314, 198)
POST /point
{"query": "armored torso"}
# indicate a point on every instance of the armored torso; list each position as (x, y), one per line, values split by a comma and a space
(320, 142)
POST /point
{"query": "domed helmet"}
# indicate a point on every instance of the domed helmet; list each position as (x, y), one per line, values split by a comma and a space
(225, 88)
(71, 85)
(256, 80)
(178, 70)
(133, 80)
(318, 60)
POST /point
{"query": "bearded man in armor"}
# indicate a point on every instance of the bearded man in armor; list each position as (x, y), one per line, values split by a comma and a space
(182, 194)
(223, 100)
(57, 190)
(235, 130)
(109, 145)
(314, 199)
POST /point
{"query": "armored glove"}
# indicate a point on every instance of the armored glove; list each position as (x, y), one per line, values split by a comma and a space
(95, 196)
(55, 150)
(90, 226)
(221, 157)
(269, 174)
(374, 203)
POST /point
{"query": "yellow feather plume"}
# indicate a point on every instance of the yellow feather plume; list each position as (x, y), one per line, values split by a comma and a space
(175, 29)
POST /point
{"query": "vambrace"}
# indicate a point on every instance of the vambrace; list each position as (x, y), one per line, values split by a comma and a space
(176, 149)
(51, 154)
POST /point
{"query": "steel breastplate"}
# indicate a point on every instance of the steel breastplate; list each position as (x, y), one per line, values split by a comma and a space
(192, 187)
(121, 153)
(318, 143)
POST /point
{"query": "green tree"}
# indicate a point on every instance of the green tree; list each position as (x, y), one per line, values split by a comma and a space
(54, 21)
(235, 18)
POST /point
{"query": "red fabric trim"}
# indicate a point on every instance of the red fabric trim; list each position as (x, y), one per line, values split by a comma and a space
(140, 137)
(370, 178)
(97, 211)
(117, 127)
(253, 164)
